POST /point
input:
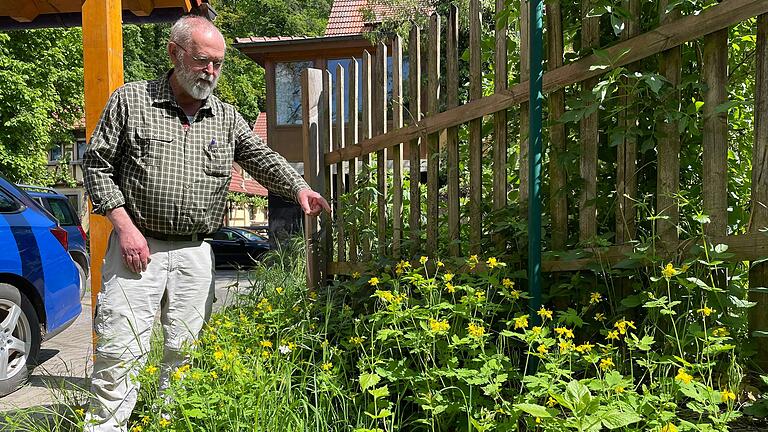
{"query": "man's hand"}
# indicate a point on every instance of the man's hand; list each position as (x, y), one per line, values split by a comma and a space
(312, 202)
(133, 245)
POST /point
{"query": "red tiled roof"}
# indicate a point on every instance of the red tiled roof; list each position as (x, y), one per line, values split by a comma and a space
(240, 184)
(347, 17)
(260, 126)
(272, 38)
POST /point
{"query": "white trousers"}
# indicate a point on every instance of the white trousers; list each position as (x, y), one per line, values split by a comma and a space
(179, 281)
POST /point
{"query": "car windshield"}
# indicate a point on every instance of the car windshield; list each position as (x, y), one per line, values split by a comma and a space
(250, 235)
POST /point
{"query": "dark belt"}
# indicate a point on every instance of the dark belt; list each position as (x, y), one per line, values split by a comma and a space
(173, 237)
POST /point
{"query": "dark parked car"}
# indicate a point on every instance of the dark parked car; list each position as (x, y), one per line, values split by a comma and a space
(39, 283)
(239, 247)
(58, 205)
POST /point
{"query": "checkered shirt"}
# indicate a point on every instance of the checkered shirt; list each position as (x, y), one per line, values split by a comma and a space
(172, 179)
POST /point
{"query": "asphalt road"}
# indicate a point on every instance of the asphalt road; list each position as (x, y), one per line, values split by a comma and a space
(66, 359)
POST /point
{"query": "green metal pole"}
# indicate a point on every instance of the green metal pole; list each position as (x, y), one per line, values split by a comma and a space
(534, 154)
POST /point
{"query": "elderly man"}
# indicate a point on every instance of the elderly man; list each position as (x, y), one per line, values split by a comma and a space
(158, 166)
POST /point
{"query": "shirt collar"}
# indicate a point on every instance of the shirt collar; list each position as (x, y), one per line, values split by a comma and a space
(164, 94)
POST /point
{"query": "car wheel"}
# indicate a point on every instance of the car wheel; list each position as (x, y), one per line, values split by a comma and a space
(84, 281)
(19, 338)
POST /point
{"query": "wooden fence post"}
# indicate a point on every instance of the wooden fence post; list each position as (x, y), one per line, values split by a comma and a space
(475, 130)
(558, 204)
(338, 143)
(397, 150)
(525, 71)
(352, 139)
(314, 169)
(589, 137)
(501, 83)
(380, 128)
(367, 125)
(433, 139)
(414, 152)
(758, 274)
(452, 141)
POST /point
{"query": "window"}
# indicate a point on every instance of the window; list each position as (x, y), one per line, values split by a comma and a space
(74, 202)
(288, 91)
(56, 153)
(61, 211)
(7, 203)
(80, 146)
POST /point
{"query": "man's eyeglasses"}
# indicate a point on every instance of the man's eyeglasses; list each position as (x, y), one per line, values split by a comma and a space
(203, 61)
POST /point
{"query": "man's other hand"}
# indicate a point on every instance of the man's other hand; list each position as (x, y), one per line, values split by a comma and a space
(312, 202)
(135, 251)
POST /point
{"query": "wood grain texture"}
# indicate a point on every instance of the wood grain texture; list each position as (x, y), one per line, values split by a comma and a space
(525, 71)
(311, 95)
(414, 156)
(338, 143)
(397, 150)
(715, 136)
(452, 134)
(353, 128)
(380, 128)
(433, 139)
(475, 129)
(589, 133)
(500, 125)
(367, 133)
(558, 204)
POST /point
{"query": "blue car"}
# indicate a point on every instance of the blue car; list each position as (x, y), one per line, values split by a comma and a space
(58, 205)
(39, 283)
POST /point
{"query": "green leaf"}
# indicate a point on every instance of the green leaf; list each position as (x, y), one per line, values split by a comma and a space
(533, 409)
(369, 380)
(379, 392)
(578, 395)
(741, 304)
(615, 419)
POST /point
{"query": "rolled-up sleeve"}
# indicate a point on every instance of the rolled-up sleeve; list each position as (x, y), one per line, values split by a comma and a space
(265, 165)
(100, 156)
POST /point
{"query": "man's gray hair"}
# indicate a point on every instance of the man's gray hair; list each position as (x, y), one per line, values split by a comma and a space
(181, 32)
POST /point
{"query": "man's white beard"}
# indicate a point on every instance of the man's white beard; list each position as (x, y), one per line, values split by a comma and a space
(199, 85)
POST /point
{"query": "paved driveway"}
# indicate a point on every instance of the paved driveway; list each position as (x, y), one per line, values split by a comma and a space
(66, 359)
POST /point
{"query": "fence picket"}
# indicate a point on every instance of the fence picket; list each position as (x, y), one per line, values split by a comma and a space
(314, 167)
(558, 205)
(433, 140)
(452, 137)
(414, 151)
(590, 134)
(367, 125)
(338, 143)
(397, 150)
(475, 130)
(501, 83)
(525, 71)
(380, 123)
(715, 136)
(351, 139)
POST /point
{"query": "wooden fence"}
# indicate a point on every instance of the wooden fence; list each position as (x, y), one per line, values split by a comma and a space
(339, 248)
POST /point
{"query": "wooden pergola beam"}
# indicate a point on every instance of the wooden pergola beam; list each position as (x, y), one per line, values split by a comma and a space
(144, 7)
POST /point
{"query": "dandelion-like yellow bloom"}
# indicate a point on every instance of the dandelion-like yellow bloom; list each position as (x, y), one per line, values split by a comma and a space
(727, 395)
(623, 325)
(327, 366)
(606, 363)
(357, 340)
(492, 263)
(356, 275)
(480, 295)
(669, 271)
(599, 317)
(565, 346)
(374, 281)
(164, 422)
(440, 264)
(312, 295)
(619, 389)
(80, 412)
(214, 375)
(705, 311)
(151, 369)
(551, 402)
(536, 330)
(145, 419)
(545, 313)
(218, 355)
(515, 294)
(266, 344)
(669, 427)
(720, 332)
(683, 376)
(472, 262)
(595, 298)
(613, 335)
(179, 373)
(439, 326)
(137, 428)
(586, 347)
(387, 296)
(564, 332)
(423, 260)
(521, 322)
(448, 277)
(476, 331)
(279, 290)
(542, 349)
(507, 282)
(265, 354)
(450, 288)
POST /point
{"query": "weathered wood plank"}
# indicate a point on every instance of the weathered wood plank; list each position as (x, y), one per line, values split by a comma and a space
(475, 129)
(525, 71)
(338, 143)
(652, 42)
(626, 155)
(758, 274)
(314, 169)
(558, 204)
(501, 83)
(433, 139)
(414, 155)
(397, 150)
(715, 136)
(589, 135)
(353, 128)
(367, 132)
(668, 165)
(326, 139)
(452, 139)
(380, 122)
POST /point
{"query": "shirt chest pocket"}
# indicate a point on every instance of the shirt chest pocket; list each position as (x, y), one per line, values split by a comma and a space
(217, 159)
(150, 145)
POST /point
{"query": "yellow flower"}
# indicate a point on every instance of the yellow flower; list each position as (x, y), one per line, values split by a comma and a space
(313, 295)
(685, 267)
(356, 275)
(440, 263)
(705, 311)
(179, 373)
(218, 355)
(439, 326)
(423, 260)
(80, 412)
(405, 264)
(327, 366)
(669, 427)
(137, 428)
(595, 298)
(472, 262)
(536, 330)
(669, 271)
(613, 335)
(476, 331)
(565, 346)
(515, 294)
(266, 344)
(586, 347)
(387, 296)
(599, 317)
(214, 375)
(521, 322)
(448, 277)
(145, 419)
(492, 263)
(279, 290)
(545, 313)
(619, 389)
(374, 281)
(542, 349)
(265, 354)
(683, 376)
(450, 288)
(480, 296)
(507, 282)
(727, 395)
(356, 340)
(164, 422)
(564, 332)
(151, 369)
(623, 325)
(720, 332)
(551, 402)
(606, 363)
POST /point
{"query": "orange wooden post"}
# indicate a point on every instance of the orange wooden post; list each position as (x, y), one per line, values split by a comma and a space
(103, 70)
